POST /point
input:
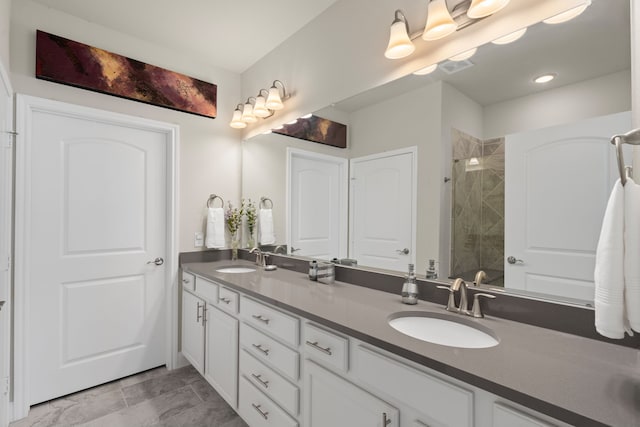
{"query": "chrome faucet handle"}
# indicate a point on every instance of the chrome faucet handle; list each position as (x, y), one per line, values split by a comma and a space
(451, 302)
(460, 285)
(476, 311)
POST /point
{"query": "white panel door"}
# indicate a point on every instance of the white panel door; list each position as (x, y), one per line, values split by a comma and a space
(383, 210)
(557, 183)
(317, 205)
(97, 191)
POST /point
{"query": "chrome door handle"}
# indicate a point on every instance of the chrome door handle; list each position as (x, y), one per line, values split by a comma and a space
(265, 415)
(225, 300)
(294, 249)
(157, 261)
(259, 347)
(404, 251)
(513, 260)
(260, 318)
(315, 345)
(198, 315)
(385, 421)
(258, 378)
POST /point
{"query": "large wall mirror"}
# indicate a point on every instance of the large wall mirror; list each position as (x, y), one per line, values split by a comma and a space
(499, 159)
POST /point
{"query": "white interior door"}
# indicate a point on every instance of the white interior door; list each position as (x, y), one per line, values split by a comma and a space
(95, 191)
(557, 183)
(383, 209)
(317, 205)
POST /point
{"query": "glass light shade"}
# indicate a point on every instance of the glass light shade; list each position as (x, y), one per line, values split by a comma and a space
(259, 109)
(568, 15)
(439, 21)
(510, 38)
(400, 45)
(236, 121)
(247, 114)
(426, 70)
(273, 100)
(464, 55)
(482, 8)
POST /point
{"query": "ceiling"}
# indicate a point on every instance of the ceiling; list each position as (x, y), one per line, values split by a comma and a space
(594, 44)
(228, 34)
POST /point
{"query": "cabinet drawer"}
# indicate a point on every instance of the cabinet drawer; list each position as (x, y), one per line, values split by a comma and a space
(504, 416)
(259, 411)
(277, 323)
(228, 300)
(445, 403)
(271, 383)
(326, 347)
(206, 289)
(268, 350)
(188, 281)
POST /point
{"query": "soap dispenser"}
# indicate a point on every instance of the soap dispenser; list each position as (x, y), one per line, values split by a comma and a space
(432, 273)
(410, 288)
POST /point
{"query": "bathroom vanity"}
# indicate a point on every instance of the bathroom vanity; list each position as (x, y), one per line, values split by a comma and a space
(286, 351)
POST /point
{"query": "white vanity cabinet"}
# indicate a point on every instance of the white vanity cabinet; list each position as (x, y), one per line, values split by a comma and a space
(193, 332)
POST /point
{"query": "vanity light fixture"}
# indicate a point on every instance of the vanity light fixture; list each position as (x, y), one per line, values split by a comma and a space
(464, 55)
(400, 45)
(426, 70)
(568, 15)
(236, 120)
(262, 106)
(545, 78)
(306, 116)
(510, 38)
(293, 122)
(439, 23)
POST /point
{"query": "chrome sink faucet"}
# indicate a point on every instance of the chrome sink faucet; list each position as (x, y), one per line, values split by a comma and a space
(480, 277)
(459, 285)
(260, 257)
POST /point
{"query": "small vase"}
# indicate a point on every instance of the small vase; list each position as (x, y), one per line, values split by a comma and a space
(235, 243)
(251, 242)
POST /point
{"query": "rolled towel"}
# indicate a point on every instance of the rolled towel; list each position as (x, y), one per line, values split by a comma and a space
(632, 253)
(215, 228)
(610, 316)
(265, 222)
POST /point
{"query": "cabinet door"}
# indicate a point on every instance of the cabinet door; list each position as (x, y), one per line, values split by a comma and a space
(333, 401)
(193, 330)
(221, 361)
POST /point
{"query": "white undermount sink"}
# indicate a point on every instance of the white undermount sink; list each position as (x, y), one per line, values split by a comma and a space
(450, 330)
(235, 269)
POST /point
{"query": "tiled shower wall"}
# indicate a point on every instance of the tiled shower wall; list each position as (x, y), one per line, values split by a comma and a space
(477, 217)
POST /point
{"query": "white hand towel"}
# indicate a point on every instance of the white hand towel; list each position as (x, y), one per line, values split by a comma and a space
(609, 272)
(215, 228)
(632, 253)
(265, 223)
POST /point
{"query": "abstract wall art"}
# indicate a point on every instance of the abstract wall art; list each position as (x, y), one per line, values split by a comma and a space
(317, 129)
(72, 63)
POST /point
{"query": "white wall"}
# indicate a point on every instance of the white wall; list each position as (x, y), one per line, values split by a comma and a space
(5, 15)
(210, 152)
(590, 98)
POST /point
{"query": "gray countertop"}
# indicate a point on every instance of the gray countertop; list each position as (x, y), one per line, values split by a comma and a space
(577, 380)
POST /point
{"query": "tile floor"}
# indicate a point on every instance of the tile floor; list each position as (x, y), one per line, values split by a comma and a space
(158, 398)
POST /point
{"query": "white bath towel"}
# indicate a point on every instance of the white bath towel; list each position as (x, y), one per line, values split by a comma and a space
(215, 228)
(267, 235)
(632, 253)
(610, 317)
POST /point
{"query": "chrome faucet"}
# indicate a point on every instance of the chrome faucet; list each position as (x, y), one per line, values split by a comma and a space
(463, 308)
(480, 276)
(259, 256)
(284, 251)
(460, 285)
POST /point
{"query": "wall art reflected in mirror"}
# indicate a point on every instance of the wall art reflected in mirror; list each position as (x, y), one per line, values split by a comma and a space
(482, 185)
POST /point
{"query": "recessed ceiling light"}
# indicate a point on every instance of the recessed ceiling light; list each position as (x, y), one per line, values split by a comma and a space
(510, 38)
(426, 70)
(568, 15)
(464, 55)
(545, 78)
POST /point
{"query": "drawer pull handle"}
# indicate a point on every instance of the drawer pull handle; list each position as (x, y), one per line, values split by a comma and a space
(225, 300)
(265, 415)
(317, 347)
(260, 318)
(258, 378)
(263, 350)
(186, 281)
(385, 421)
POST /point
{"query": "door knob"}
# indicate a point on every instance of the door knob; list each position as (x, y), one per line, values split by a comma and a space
(294, 249)
(513, 260)
(404, 251)
(157, 261)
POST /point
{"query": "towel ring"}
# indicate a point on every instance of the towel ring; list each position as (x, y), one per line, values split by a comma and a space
(212, 198)
(263, 203)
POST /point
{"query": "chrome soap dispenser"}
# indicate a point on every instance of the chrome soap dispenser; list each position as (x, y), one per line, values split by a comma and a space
(410, 288)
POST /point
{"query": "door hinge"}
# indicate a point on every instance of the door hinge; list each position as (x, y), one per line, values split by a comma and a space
(5, 385)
